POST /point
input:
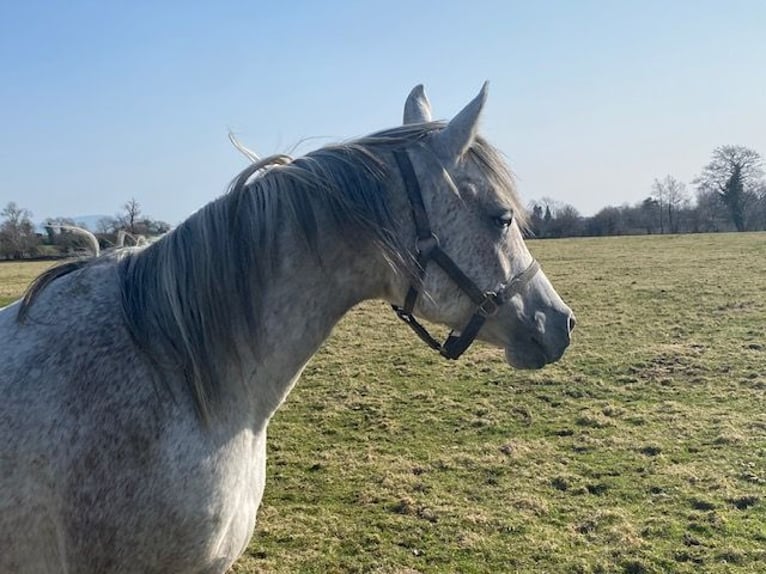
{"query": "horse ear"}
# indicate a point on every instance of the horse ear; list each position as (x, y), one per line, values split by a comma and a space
(455, 139)
(417, 108)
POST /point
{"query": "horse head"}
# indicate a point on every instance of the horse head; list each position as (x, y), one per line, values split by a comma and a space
(476, 274)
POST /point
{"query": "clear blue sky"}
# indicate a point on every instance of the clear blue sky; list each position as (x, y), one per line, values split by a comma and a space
(590, 100)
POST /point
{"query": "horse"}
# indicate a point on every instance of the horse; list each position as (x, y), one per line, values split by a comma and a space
(123, 235)
(137, 387)
(87, 235)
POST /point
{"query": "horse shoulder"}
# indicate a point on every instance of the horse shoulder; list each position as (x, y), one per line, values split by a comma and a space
(106, 449)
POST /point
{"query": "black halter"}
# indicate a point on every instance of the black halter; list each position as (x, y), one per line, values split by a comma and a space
(428, 249)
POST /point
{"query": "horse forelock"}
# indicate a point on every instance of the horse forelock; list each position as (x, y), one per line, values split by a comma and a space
(496, 169)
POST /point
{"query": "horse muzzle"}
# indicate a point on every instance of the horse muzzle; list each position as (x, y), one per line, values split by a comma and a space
(544, 340)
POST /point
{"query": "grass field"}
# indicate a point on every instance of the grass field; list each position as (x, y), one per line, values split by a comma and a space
(644, 450)
(14, 278)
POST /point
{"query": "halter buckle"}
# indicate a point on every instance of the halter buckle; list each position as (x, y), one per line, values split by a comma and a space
(489, 305)
(402, 314)
(425, 245)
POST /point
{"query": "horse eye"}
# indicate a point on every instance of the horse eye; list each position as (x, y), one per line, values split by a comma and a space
(504, 220)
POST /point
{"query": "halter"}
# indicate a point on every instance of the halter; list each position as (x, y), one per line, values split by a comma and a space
(428, 249)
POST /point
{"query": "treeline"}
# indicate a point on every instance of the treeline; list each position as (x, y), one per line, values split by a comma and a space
(729, 195)
(20, 239)
(705, 214)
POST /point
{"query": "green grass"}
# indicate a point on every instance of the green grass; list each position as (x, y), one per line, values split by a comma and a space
(14, 278)
(643, 450)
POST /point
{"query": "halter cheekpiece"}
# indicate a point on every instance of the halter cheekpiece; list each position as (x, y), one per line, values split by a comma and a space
(428, 249)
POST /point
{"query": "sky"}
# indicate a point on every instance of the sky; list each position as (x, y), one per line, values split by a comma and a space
(590, 101)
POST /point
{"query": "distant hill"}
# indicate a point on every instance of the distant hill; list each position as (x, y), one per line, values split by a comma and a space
(89, 221)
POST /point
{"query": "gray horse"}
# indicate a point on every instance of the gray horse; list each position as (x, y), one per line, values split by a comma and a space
(137, 386)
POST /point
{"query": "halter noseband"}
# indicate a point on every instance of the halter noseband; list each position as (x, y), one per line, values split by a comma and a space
(428, 249)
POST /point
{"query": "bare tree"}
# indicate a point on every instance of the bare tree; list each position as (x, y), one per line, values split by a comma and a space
(758, 213)
(670, 195)
(107, 225)
(567, 222)
(659, 200)
(734, 173)
(608, 221)
(551, 207)
(132, 212)
(17, 232)
(14, 214)
(535, 219)
(650, 214)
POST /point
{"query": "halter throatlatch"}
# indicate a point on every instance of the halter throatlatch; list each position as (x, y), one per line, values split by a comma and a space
(428, 249)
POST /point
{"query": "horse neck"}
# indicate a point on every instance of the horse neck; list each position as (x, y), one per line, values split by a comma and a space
(239, 297)
(308, 294)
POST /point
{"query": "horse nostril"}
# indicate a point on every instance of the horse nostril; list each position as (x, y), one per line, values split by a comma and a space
(572, 322)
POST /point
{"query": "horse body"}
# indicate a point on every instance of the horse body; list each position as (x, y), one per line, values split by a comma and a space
(106, 487)
(126, 478)
(137, 388)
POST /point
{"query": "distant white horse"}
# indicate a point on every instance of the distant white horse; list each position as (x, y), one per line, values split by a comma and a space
(137, 387)
(91, 239)
(123, 235)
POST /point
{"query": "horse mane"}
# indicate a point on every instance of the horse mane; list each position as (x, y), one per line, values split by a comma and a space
(191, 300)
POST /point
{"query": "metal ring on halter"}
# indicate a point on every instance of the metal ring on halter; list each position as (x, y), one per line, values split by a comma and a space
(489, 306)
(425, 245)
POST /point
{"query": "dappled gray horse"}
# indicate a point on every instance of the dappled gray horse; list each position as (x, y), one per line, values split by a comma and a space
(137, 386)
